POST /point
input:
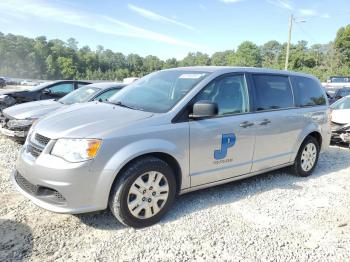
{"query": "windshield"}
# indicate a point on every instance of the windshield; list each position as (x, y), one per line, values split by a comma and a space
(159, 91)
(343, 92)
(81, 95)
(343, 103)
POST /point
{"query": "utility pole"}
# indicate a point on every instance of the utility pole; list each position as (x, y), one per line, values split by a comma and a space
(289, 39)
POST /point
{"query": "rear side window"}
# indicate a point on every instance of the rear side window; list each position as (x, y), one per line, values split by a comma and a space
(307, 92)
(272, 92)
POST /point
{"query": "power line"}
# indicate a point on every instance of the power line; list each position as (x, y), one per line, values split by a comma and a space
(306, 33)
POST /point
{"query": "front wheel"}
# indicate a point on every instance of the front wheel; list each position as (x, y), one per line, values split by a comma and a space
(307, 157)
(143, 193)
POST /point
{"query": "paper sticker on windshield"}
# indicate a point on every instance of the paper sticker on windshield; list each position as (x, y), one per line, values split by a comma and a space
(191, 76)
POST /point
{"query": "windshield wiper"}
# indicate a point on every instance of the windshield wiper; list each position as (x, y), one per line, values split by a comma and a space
(119, 103)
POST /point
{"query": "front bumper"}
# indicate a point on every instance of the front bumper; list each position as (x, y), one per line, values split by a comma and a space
(11, 131)
(341, 137)
(340, 133)
(14, 133)
(57, 185)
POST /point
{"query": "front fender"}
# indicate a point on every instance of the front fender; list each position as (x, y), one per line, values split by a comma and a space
(134, 150)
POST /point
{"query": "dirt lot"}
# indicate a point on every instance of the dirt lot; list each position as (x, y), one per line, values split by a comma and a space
(272, 217)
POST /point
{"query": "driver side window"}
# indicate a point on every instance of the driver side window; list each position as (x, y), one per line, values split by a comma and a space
(229, 92)
(62, 88)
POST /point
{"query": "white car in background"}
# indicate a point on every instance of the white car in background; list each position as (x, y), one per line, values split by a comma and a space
(341, 120)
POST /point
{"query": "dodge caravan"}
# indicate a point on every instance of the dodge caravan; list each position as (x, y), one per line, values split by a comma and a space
(169, 133)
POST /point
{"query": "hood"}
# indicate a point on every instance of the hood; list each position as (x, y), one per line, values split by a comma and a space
(341, 116)
(87, 120)
(34, 109)
(13, 93)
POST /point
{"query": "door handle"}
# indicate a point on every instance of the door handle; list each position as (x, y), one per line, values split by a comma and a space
(246, 124)
(265, 122)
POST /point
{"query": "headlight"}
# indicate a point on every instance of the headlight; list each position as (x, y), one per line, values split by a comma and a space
(20, 123)
(76, 150)
(31, 130)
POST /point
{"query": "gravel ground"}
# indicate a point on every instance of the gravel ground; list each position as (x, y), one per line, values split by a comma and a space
(271, 217)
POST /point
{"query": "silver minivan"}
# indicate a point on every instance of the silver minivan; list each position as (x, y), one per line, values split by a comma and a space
(169, 133)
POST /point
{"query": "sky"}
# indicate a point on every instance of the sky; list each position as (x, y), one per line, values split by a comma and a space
(172, 28)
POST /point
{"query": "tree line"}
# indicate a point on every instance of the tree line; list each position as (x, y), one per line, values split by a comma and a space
(39, 58)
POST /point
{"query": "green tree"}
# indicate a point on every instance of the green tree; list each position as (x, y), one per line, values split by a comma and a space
(196, 59)
(270, 53)
(342, 44)
(171, 63)
(224, 58)
(67, 68)
(39, 58)
(72, 44)
(135, 65)
(248, 54)
(151, 63)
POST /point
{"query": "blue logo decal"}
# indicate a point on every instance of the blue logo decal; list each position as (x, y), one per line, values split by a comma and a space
(227, 141)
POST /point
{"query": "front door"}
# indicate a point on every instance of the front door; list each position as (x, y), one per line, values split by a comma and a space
(222, 147)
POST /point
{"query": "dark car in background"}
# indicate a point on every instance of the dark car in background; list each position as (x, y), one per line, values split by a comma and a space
(338, 93)
(16, 120)
(48, 90)
(339, 79)
(2, 82)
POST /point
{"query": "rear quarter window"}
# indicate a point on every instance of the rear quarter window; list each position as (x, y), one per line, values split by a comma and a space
(307, 92)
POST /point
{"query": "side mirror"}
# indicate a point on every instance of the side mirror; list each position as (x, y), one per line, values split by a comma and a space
(203, 109)
(46, 91)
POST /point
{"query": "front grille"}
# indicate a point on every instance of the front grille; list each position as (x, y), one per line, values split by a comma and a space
(36, 144)
(26, 185)
(42, 140)
(58, 196)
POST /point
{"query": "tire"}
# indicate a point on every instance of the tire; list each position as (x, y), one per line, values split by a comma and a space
(130, 188)
(311, 148)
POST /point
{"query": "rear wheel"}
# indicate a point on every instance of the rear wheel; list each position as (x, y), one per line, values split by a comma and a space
(307, 157)
(144, 192)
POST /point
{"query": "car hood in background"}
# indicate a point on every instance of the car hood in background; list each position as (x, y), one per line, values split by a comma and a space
(34, 109)
(87, 120)
(13, 92)
(341, 116)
